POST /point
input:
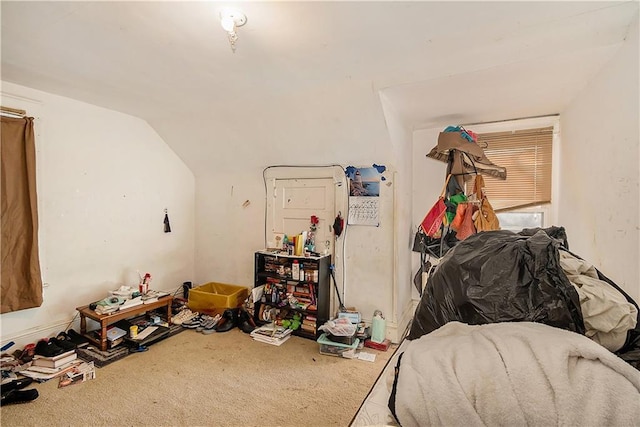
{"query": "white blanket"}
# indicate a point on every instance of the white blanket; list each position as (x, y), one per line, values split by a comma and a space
(514, 374)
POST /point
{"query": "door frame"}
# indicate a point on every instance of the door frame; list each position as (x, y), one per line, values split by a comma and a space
(337, 173)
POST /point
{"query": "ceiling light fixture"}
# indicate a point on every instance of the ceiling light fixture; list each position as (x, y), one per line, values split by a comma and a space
(230, 20)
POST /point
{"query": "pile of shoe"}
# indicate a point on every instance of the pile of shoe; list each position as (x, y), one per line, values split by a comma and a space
(237, 317)
(54, 346)
(12, 392)
(202, 323)
(245, 321)
(183, 315)
(228, 321)
(12, 386)
(208, 324)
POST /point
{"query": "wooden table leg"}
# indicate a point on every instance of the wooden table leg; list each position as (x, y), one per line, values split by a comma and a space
(169, 313)
(83, 324)
(103, 336)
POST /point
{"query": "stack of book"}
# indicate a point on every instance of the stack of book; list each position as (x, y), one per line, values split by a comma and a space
(43, 368)
(115, 335)
(271, 334)
(305, 296)
(131, 302)
(275, 265)
(309, 324)
(153, 295)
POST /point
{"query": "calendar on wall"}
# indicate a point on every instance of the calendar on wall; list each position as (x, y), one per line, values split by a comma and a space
(364, 196)
(364, 211)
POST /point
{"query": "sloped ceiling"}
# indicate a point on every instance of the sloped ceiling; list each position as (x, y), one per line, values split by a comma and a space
(436, 63)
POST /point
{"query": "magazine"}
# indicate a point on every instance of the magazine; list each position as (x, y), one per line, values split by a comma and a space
(271, 334)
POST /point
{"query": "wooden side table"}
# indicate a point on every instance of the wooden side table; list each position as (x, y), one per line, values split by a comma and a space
(107, 319)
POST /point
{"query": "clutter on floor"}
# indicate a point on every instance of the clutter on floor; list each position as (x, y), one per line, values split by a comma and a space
(271, 334)
(341, 337)
(47, 359)
(210, 323)
(71, 358)
(208, 311)
(381, 346)
(12, 392)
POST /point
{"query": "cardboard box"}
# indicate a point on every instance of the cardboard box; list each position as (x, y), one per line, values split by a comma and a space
(213, 296)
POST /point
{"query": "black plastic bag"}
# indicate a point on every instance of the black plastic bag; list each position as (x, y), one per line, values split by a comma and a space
(499, 276)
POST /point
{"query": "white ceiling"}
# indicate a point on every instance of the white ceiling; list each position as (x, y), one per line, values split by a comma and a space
(436, 62)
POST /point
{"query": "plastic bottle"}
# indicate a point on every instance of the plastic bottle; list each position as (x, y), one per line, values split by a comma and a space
(301, 278)
(378, 327)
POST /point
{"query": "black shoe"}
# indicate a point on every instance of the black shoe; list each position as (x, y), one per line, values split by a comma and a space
(63, 344)
(75, 337)
(229, 320)
(245, 322)
(48, 349)
(16, 384)
(18, 396)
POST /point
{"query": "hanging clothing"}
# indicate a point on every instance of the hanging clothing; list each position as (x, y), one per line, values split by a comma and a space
(477, 160)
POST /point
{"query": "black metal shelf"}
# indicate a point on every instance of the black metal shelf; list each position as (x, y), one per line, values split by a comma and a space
(321, 291)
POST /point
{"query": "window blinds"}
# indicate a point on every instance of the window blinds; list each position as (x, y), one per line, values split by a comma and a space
(527, 156)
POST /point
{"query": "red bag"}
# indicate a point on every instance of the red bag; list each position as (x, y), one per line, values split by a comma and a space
(433, 220)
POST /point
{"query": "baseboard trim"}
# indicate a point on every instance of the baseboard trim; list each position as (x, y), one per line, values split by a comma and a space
(33, 335)
(396, 330)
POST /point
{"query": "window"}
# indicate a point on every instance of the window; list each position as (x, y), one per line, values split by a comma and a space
(527, 155)
(516, 221)
(528, 149)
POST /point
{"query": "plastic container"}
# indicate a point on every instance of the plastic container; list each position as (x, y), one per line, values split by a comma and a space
(331, 348)
(340, 330)
(378, 327)
(212, 296)
(341, 338)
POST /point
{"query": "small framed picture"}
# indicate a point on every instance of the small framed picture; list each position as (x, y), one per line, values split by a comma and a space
(278, 238)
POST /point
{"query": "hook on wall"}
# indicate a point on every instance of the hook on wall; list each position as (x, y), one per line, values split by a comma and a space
(167, 225)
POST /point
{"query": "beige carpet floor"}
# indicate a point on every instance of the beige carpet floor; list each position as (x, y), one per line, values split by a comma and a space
(222, 379)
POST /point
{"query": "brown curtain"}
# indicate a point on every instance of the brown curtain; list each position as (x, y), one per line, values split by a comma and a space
(20, 279)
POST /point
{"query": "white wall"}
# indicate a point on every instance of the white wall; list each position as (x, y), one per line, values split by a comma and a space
(401, 137)
(104, 180)
(599, 192)
(229, 233)
(342, 124)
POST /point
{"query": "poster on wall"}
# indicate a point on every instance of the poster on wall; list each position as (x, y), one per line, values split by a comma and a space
(364, 195)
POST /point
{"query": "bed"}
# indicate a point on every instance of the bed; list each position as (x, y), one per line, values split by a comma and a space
(375, 409)
(513, 329)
